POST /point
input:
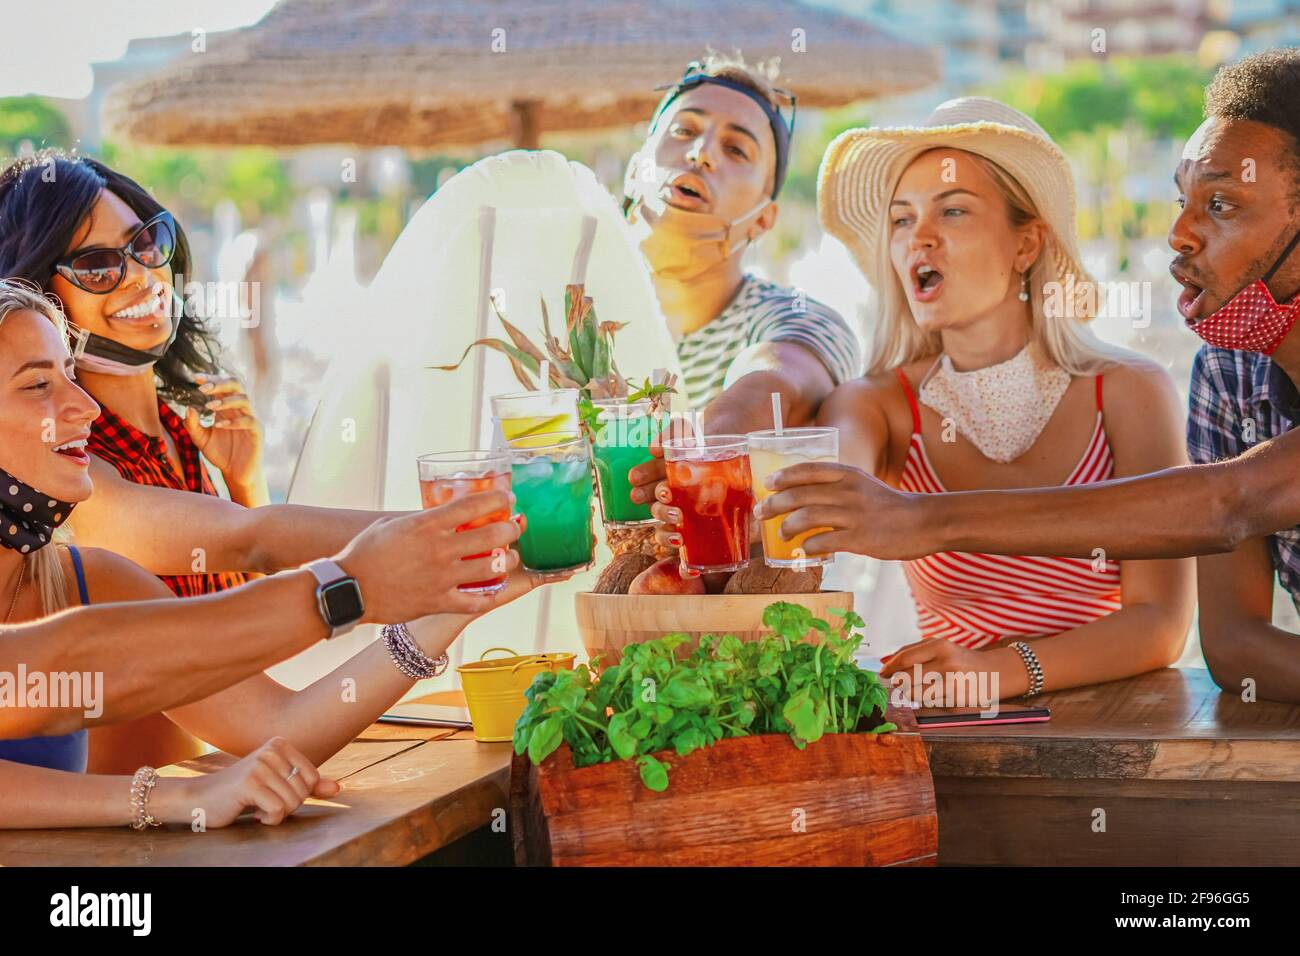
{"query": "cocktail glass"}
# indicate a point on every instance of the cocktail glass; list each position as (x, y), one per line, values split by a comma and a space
(524, 416)
(447, 476)
(551, 478)
(622, 442)
(769, 453)
(711, 487)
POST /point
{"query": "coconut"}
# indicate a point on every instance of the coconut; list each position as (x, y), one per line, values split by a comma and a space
(758, 578)
(619, 573)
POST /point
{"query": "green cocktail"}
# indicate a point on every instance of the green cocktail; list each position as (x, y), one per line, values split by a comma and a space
(552, 485)
(622, 443)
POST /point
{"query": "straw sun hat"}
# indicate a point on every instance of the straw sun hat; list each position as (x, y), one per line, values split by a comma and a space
(862, 167)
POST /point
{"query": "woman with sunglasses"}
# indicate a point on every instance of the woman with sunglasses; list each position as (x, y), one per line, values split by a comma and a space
(118, 262)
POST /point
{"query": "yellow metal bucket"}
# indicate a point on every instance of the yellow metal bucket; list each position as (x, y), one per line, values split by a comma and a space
(494, 690)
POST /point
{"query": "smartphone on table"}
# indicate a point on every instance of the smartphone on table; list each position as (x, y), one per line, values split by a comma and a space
(1016, 715)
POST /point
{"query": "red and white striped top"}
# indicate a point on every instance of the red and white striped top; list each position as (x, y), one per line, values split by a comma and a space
(976, 599)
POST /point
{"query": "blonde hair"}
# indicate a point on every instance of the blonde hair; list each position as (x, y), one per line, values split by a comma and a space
(896, 339)
(43, 567)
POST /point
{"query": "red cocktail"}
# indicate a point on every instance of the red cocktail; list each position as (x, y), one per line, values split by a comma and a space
(448, 476)
(711, 487)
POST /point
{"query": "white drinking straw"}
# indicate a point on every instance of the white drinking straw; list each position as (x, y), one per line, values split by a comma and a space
(776, 413)
(487, 220)
(697, 425)
(544, 373)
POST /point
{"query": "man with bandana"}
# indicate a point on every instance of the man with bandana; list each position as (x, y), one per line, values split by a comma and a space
(1239, 507)
(700, 191)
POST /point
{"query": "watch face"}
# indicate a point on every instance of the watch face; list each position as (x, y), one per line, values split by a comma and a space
(342, 602)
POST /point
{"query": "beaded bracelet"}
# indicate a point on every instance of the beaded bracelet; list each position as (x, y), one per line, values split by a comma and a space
(1035, 669)
(142, 785)
(408, 657)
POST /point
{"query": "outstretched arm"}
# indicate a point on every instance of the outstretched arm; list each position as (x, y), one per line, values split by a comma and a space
(787, 368)
(1178, 512)
(323, 717)
(177, 532)
(134, 646)
(249, 628)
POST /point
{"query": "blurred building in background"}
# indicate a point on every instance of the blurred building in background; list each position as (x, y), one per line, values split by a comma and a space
(980, 38)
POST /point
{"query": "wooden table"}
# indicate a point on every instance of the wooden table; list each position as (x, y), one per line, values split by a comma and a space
(407, 791)
(1178, 772)
(1183, 773)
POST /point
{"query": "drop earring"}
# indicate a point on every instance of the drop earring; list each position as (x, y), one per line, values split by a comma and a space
(1024, 287)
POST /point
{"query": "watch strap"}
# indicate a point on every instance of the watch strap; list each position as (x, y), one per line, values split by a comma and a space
(327, 572)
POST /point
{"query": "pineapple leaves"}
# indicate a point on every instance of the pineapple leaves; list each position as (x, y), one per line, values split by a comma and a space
(582, 330)
(521, 363)
(587, 364)
(561, 358)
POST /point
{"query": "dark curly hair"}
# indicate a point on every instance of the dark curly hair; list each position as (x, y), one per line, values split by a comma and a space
(1263, 88)
(45, 199)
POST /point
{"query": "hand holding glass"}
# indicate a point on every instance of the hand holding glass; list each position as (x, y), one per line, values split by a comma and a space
(768, 454)
(447, 476)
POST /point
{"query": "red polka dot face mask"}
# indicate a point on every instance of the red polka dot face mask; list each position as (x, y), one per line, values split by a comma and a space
(1251, 321)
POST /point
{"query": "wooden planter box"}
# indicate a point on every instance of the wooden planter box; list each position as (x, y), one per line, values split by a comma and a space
(845, 800)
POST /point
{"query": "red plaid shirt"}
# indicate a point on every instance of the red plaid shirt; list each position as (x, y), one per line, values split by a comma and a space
(143, 459)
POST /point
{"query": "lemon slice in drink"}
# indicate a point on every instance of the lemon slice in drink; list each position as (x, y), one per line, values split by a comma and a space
(531, 432)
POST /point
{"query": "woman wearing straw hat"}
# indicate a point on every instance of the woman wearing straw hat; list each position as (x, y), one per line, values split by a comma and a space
(984, 375)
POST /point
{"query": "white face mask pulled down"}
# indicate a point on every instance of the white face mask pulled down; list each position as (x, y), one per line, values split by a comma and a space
(679, 243)
(1002, 409)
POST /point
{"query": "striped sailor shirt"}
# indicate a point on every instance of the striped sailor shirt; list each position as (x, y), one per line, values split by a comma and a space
(763, 311)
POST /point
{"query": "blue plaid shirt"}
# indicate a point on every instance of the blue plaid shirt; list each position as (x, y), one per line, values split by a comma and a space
(1236, 401)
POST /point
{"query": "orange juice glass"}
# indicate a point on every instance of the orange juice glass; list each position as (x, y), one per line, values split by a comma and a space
(768, 454)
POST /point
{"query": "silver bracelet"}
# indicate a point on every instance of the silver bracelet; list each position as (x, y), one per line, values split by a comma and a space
(408, 657)
(1035, 669)
(142, 784)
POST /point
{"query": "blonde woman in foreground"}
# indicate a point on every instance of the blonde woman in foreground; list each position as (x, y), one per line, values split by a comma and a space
(984, 375)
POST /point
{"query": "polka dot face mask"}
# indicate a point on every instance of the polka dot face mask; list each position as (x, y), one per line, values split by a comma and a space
(27, 517)
(1251, 321)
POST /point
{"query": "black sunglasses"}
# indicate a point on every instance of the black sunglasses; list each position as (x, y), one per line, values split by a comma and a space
(102, 270)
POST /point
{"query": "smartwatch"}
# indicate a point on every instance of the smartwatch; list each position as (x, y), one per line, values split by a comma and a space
(338, 596)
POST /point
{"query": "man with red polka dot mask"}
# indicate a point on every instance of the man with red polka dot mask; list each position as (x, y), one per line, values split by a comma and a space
(1252, 320)
(1237, 256)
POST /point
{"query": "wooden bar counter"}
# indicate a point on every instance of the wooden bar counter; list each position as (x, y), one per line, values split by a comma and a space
(1177, 773)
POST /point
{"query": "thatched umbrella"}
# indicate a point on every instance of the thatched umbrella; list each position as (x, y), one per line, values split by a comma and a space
(459, 72)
